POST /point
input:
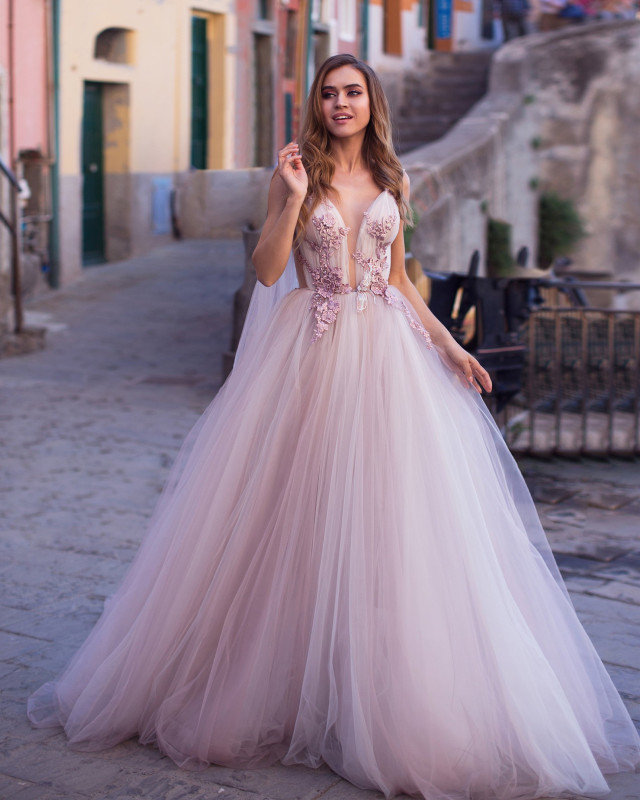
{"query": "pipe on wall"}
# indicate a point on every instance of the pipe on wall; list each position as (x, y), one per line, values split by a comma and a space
(12, 131)
(52, 83)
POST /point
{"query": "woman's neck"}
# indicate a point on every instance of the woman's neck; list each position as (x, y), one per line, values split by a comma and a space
(347, 155)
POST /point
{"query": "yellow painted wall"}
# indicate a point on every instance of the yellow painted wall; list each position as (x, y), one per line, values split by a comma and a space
(159, 78)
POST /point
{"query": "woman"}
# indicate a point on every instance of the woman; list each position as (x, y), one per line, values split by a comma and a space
(346, 566)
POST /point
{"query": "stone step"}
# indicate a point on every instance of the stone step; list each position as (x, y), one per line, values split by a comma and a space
(402, 147)
(414, 129)
(440, 94)
(406, 141)
(476, 58)
(428, 134)
(447, 79)
(460, 88)
(439, 105)
(450, 73)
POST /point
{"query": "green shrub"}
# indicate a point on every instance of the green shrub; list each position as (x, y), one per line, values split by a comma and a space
(560, 228)
(499, 258)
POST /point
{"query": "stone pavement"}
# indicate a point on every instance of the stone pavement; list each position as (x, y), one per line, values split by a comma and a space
(88, 429)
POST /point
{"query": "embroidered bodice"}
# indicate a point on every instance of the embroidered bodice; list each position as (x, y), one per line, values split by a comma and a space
(325, 257)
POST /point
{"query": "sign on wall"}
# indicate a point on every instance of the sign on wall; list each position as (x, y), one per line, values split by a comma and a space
(443, 19)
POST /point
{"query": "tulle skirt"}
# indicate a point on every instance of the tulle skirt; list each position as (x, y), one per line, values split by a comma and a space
(346, 567)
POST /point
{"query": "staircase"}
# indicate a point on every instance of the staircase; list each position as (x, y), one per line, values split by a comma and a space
(437, 95)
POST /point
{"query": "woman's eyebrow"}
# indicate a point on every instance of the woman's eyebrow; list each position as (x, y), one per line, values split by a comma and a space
(349, 86)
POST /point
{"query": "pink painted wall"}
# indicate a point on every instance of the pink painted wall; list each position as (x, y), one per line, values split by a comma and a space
(243, 134)
(30, 72)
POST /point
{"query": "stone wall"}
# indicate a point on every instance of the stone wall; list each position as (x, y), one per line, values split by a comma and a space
(590, 141)
(483, 167)
(562, 114)
(212, 203)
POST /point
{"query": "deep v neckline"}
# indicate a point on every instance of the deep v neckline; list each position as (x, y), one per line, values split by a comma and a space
(364, 215)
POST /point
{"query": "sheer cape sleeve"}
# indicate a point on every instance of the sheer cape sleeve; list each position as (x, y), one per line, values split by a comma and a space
(264, 301)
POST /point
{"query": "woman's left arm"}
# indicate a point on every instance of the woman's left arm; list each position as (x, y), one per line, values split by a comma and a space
(469, 367)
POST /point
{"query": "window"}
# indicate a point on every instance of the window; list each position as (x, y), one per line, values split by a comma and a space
(319, 11)
(392, 30)
(262, 9)
(115, 45)
(347, 20)
(290, 52)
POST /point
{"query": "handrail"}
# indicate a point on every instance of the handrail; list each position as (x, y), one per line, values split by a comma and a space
(550, 283)
(13, 226)
(582, 394)
(9, 174)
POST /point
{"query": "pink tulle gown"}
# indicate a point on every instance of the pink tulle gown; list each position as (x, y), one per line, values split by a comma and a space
(346, 567)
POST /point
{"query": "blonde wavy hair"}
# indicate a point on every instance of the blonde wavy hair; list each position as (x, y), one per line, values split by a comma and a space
(377, 148)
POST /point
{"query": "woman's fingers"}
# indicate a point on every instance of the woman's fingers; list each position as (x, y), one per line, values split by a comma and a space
(292, 170)
(288, 152)
(484, 378)
(289, 157)
(468, 367)
(476, 375)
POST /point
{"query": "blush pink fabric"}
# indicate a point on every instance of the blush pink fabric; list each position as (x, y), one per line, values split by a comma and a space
(346, 567)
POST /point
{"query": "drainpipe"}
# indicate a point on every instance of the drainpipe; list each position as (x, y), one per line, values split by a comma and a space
(364, 40)
(307, 71)
(52, 10)
(12, 129)
(16, 229)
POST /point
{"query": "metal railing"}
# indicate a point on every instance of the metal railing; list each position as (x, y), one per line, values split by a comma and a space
(12, 223)
(581, 392)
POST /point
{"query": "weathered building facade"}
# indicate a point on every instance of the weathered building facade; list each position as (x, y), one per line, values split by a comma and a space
(399, 31)
(152, 94)
(146, 92)
(153, 117)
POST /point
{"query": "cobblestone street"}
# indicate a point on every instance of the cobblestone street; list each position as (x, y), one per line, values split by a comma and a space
(88, 429)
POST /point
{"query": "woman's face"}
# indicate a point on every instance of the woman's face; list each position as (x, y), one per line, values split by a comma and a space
(345, 102)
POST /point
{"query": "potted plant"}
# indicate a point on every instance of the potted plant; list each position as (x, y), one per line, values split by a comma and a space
(560, 228)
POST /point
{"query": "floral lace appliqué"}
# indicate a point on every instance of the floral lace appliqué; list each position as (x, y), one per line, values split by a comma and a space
(326, 277)
(397, 302)
(373, 279)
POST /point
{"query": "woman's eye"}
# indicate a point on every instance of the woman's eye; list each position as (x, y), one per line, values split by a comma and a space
(327, 95)
(355, 91)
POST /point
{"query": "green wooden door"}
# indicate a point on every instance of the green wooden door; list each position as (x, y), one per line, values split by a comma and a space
(92, 176)
(263, 113)
(199, 92)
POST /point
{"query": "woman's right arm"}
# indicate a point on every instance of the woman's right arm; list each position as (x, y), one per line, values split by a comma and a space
(286, 194)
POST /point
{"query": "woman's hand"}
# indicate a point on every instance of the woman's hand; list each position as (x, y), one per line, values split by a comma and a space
(292, 172)
(467, 366)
